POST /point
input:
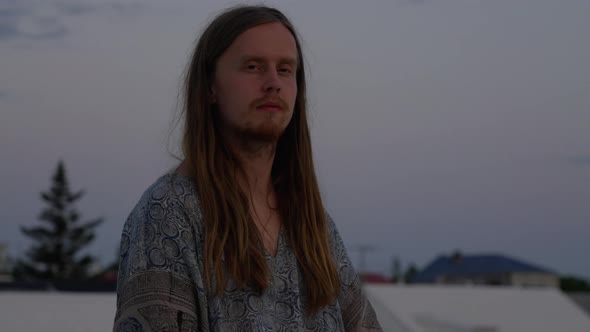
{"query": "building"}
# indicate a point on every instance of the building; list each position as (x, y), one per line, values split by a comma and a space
(373, 278)
(485, 270)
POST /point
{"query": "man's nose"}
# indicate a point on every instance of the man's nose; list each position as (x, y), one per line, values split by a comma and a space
(272, 82)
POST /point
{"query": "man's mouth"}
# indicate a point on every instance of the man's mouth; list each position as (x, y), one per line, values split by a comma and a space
(270, 107)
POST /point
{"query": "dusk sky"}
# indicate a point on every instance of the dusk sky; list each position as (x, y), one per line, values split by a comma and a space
(437, 125)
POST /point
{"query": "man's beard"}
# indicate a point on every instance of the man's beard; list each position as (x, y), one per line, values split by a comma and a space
(267, 132)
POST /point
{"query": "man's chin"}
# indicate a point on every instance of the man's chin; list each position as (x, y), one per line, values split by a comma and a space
(262, 135)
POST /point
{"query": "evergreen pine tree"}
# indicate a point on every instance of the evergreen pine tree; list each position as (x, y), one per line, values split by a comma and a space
(396, 270)
(411, 272)
(61, 237)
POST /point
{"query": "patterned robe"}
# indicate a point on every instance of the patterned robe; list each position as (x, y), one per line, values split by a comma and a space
(161, 283)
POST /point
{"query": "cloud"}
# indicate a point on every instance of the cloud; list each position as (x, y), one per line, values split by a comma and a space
(32, 28)
(12, 12)
(25, 20)
(6, 96)
(76, 9)
(581, 160)
(31, 20)
(8, 31)
(412, 2)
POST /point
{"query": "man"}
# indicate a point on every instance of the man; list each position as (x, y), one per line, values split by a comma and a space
(237, 238)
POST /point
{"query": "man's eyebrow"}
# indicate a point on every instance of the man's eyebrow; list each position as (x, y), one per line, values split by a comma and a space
(283, 60)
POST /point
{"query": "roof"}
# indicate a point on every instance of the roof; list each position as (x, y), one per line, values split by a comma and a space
(473, 265)
(422, 308)
(428, 308)
(582, 299)
(57, 311)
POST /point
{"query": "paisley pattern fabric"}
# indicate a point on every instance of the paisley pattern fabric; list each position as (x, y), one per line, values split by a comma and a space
(161, 283)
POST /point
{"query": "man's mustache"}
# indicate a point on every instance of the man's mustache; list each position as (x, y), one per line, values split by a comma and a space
(261, 101)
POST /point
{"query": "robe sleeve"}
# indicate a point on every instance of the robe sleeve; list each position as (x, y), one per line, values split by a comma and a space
(357, 313)
(159, 286)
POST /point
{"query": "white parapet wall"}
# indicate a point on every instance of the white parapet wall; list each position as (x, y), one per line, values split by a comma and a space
(399, 309)
(440, 308)
(55, 311)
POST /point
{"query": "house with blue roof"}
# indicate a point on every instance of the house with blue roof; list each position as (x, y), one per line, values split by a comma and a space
(485, 270)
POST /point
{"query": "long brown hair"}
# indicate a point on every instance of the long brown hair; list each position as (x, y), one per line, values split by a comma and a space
(232, 242)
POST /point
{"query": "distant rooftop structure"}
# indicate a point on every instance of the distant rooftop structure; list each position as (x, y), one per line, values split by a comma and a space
(373, 278)
(486, 270)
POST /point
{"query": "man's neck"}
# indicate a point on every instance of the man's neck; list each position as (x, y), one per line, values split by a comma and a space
(256, 159)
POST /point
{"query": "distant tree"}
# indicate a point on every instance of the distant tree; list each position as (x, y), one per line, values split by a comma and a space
(396, 270)
(58, 242)
(411, 271)
(574, 284)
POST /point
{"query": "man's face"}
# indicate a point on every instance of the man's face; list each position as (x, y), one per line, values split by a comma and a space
(255, 83)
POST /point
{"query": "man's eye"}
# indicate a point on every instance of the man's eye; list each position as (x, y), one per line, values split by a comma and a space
(285, 70)
(252, 67)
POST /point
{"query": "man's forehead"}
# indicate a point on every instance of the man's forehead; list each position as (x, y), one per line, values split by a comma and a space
(266, 41)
